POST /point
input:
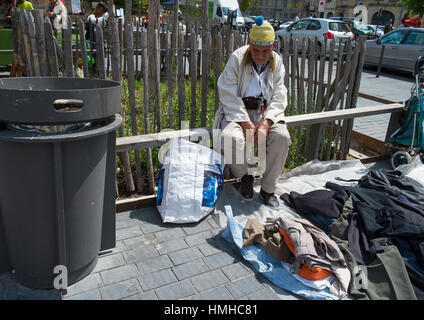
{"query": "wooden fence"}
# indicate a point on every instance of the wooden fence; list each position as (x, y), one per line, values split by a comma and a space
(185, 88)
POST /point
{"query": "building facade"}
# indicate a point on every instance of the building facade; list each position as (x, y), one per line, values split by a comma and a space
(277, 9)
(378, 11)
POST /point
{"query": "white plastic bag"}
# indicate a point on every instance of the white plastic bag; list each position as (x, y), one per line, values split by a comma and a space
(190, 179)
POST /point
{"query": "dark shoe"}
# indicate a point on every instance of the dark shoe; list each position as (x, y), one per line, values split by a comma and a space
(269, 199)
(246, 187)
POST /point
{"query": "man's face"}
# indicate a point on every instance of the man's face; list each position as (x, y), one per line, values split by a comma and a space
(261, 54)
(98, 12)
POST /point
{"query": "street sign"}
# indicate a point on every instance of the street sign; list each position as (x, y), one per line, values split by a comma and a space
(321, 6)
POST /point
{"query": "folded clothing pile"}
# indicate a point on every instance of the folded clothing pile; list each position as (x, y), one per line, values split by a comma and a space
(314, 258)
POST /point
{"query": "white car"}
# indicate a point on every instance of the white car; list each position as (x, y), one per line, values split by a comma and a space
(285, 25)
(377, 31)
(317, 28)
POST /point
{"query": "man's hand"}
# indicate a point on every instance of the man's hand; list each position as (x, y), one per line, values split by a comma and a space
(263, 126)
(247, 125)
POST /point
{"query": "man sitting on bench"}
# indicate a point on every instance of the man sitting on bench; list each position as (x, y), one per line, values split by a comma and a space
(252, 101)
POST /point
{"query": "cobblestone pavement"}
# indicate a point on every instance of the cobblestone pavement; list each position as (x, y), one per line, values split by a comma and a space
(157, 261)
(392, 85)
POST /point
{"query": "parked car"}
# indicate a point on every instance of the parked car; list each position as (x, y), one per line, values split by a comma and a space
(248, 23)
(413, 22)
(275, 23)
(285, 24)
(319, 28)
(358, 27)
(402, 48)
(377, 31)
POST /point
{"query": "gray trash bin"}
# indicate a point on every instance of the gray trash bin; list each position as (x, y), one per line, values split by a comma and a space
(57, 170)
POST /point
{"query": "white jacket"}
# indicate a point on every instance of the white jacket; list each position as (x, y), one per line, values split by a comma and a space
(233, 82)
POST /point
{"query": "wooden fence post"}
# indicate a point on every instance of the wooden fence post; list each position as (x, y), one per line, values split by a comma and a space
(26, 44)
(193, 76)
(18, 64)
(357, 73)
(51, 48)
(181, 87)
(67, 49)
(145, 67)
(218, 67)
(83, 48)
(131, 88)
(348, 102)
(336, 81)
(205, 78)
(116, 76)
(41, 45)
(33, 42)
(170, 78)
(157, 80)
(301, 93)
(100, 52)
(137, 48)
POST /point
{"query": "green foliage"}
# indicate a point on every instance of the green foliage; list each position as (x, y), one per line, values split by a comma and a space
(192, 8)
(245, 4)
(254, 7)
(413, 6)
(143, 5)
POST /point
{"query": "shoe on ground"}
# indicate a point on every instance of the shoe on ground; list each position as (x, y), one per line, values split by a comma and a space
(269, 199)
(246, 187)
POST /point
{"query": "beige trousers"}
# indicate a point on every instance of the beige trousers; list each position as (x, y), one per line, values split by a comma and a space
(233, 146)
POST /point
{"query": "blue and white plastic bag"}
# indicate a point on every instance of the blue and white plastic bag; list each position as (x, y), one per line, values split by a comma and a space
(190, 180)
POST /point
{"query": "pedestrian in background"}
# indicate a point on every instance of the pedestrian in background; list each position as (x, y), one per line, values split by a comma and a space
(402, 25)
(24, 5)
(100, 14)
(389, 26)
(56, 11)
(5, 15)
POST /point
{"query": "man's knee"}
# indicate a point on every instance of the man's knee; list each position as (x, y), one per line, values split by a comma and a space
(279, 134)
(234, 136)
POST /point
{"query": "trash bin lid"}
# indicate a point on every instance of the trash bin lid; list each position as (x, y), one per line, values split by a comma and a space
(47, 100)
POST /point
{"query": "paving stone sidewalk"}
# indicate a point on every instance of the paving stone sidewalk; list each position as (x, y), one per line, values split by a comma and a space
(157, 261)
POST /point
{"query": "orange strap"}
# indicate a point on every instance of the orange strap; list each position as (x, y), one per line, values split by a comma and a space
(305, 272)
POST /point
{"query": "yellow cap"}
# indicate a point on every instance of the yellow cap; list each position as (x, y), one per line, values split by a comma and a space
(262, 33)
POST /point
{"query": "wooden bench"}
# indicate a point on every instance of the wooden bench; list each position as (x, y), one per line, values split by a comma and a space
(316, 120)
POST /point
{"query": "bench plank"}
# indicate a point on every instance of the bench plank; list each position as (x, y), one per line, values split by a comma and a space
(159, 139)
